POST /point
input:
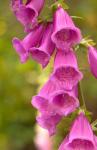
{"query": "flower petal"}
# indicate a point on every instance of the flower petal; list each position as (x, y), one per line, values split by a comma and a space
(43, 53)
(65, 33)
(92, 58)
(66, 69)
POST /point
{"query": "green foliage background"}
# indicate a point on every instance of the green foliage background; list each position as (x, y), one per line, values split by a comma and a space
(18, 83)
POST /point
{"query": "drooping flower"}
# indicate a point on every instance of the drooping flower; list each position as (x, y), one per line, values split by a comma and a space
(66, 69)
(41, 101)
(53, 103)
(27, 13)
(65, 33)
(92, 58)
(49, 122)
(43, 53)
(64, 102)
(53, 99)
(81, 136)
(32, 39)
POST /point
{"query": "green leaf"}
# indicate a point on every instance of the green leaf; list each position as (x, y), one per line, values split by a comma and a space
(94, 123)
(77, 17)
(94, 128)
(87, 42)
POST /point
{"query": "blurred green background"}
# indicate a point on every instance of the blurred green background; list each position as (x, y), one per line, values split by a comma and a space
(18, 83)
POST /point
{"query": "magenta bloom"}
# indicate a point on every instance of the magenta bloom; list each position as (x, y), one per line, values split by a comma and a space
(63, 102)
(41, 101)
(48, 119)
(80, 137)
(43, 53)
(53, 99)
(49, 122)
(92, 58)
(15, 4)
(27, 13)
(32, 39)
(66, 69)
(65, 33)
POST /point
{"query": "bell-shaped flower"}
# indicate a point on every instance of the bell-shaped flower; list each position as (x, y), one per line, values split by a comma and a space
(32, 39)
(43, 53)
(92, 58)
(41, 101)
(66, 69)
(48, 119)
(65, 33)
(27, 13)
(53, 99)
(64, 102)
(81, 136)
(49, 122)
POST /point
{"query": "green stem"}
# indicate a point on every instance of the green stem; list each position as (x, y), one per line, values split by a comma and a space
(94, 123)
(82, 96)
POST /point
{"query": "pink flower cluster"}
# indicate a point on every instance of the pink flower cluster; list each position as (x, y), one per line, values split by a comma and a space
(59, 96)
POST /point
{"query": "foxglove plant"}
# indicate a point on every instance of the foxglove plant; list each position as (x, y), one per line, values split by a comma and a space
(81, 136)
(65, 33)
(53, 99)
(49, 122)
(59, 96)
(66, 69)
(27, 13)
(43, 53)
(32, 39)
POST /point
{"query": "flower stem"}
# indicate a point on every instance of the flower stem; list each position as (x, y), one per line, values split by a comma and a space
(81, 97)
(94, 123)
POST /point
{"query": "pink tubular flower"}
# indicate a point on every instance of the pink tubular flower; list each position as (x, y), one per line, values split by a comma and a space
(41, 101)
(53, 99)
(53, 103)
(64, 102)
(80, 137)
(43, 53)
(66, 69)
(27, 13)
(65, 33)
(49, 122)
(92, 58)
(32, 39)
